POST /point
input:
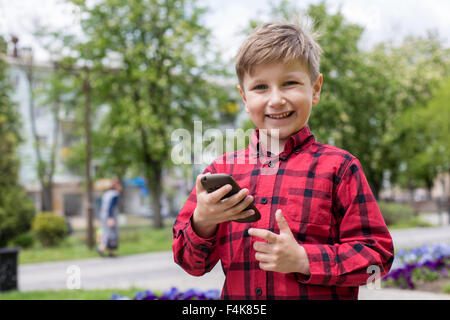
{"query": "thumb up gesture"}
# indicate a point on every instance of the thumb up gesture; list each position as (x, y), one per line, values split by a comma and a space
(281, 252)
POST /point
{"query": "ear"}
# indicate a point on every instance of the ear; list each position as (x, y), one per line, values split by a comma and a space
(244, 99)
(317, 88)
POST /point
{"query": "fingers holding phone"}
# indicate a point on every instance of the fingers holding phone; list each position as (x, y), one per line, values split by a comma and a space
(214, 207)
(213, 182)
(203, 197)
(236, 206)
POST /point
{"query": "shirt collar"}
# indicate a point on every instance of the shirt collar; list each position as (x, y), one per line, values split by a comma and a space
(296, 142)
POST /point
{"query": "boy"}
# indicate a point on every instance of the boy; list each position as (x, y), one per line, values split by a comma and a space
(321, 226)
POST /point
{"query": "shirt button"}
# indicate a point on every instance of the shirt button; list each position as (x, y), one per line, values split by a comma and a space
(264, 200)
(258, 291)
(271, 164)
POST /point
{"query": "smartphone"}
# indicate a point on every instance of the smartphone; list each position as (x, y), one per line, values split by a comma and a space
(212, 182)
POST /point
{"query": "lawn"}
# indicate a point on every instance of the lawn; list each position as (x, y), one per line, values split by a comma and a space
(102, 294)
(133, 240)
(415, 222)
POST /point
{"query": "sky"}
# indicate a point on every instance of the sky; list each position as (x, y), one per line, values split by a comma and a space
(383, 20)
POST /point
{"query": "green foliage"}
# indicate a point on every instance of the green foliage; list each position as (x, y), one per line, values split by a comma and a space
(394, 213)
(16, 213)
(50, 229)
(426, 128)
(160, 82)
(9, 131)
(151, 70)
(446, 288)
(23, 240)
(16, 209)
(79, 294)
(425, 274)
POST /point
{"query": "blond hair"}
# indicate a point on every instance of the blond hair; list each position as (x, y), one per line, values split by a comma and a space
(279, 42)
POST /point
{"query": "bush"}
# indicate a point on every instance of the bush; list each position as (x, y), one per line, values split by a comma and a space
(49, 228)
(24, 240)
(16, 213)
(395, 212)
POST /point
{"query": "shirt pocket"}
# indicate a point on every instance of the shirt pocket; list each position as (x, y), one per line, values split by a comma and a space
(309, 206)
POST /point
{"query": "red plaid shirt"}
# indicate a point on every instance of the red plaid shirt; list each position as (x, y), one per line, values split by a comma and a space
(329, 206)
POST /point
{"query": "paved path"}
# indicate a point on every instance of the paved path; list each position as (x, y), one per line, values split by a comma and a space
(158, 271)
(416, 237)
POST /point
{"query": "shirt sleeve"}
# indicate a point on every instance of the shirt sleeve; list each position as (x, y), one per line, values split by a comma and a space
(196, 255)
(364, 242)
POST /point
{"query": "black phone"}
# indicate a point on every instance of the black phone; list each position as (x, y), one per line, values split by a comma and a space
(212, 182)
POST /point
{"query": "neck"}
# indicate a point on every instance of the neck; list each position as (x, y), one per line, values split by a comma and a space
(270, 141)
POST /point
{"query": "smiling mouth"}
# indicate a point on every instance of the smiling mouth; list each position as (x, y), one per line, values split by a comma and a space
(280, 115)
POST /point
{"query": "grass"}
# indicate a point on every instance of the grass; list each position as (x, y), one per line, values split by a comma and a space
(100, 294)
(415, 222)
(446, 288)
(133, 240)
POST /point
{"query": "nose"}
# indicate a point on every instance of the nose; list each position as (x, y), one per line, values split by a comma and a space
(276, 98)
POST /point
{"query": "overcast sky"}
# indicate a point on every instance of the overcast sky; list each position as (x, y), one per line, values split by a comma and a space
(382, 19)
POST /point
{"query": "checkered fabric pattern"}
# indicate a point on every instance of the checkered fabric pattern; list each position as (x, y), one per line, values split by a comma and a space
(329, 206)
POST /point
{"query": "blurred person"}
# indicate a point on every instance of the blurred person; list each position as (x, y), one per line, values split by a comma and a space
(108, 216)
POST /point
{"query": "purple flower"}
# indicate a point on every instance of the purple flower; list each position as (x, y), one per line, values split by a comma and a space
(149, 295)
(173, 294)
(417, 263)
(212, 294)
(138, 296)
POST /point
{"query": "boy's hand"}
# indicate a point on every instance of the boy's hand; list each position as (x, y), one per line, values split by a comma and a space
(211, 210)
(281, 252)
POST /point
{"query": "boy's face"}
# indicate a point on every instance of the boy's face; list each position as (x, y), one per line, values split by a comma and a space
(280, 96)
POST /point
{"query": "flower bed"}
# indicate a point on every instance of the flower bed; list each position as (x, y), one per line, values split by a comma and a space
(427, 265)
(173, 294)
(413, 267)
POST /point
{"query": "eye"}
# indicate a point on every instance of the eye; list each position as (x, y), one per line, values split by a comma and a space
(291, 83)
(260, 87)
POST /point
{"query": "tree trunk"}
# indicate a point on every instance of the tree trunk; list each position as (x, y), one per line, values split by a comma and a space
(376, 190)
(47, 197)
(429, 186)
(171, 206)
(155, 187)
(375, 183)
(89, 188)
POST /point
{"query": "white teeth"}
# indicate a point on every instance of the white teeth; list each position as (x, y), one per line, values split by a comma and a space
(281, 116)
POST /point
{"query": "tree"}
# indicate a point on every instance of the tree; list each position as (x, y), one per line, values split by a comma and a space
(16, 209)
(427, 128)
(49, 98)
(417, 68)
(164, 79)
